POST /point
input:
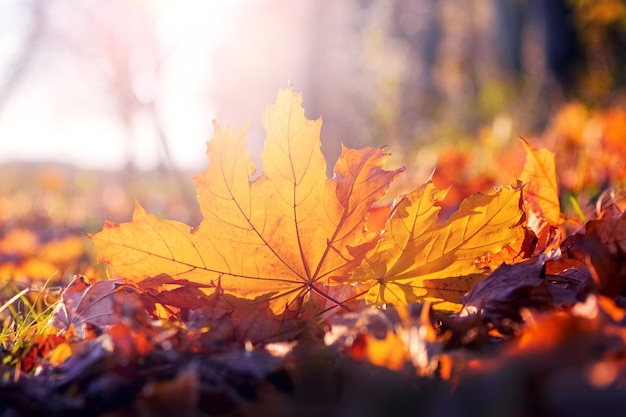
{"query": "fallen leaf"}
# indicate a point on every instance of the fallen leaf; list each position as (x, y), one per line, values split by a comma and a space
(391, 338)
(511, 288)
(459, 171)
(609, 231)
(164, 296)
(508, 289)
(541, 192)
(389, 351)
(591, 146)
(24, 256)
(274, 239)
(39, 348)
(99, 304)
(129, 343)
(417, 258)
(59, 354)
(599, 251)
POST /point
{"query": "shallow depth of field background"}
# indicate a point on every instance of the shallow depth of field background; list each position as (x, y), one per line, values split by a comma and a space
(102, 103)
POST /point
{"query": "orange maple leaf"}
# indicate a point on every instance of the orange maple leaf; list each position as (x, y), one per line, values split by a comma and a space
(541, 197)
(287, 234)
(541, 192)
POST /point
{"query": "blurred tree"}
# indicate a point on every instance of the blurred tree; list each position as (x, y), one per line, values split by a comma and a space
(116, 51)
(32, 40)
(114, 48)
(414, 71)
(417, 24)
(561, 44)
(509, 25)
(119, 42)
(601, 28)
(393, 72)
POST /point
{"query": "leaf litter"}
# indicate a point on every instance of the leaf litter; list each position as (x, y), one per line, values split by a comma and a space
(299, 294)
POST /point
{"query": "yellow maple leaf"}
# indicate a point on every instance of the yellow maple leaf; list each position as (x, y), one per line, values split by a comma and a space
(287, 234)
(416, 258)
(541, 193)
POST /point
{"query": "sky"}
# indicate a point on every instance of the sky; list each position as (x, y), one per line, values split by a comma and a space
(57, 112)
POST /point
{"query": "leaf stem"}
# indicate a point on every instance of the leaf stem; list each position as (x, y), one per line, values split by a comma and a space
(330, 298)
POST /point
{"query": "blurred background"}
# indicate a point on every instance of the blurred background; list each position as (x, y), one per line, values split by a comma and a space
(100, 101)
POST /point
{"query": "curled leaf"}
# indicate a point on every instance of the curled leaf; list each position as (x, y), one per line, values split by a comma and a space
(99, 304)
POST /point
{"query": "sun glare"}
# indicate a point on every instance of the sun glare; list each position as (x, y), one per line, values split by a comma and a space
(68, 112)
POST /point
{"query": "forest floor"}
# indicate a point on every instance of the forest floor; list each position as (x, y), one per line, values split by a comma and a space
(540, 335)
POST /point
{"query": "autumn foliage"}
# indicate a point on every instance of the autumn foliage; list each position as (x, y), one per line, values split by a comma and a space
(288, 261)
(292, 236)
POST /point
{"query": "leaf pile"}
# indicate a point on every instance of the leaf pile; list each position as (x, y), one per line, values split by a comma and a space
(299, 292)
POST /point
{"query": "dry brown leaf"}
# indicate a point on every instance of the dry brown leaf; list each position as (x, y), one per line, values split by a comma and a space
(599, 252)
(99, 304)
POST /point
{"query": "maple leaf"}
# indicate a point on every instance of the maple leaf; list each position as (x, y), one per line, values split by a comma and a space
(286, 234)
(541, 193)
(417, 258)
